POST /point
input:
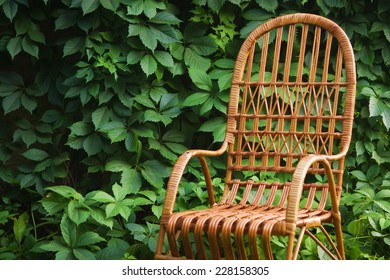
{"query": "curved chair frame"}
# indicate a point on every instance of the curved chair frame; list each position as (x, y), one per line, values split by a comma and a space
(301, 124)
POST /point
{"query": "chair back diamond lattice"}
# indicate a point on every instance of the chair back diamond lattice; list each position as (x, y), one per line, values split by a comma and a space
(289, 100)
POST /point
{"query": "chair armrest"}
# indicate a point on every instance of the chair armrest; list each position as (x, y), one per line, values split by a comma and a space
(177, 173)
(296, 189)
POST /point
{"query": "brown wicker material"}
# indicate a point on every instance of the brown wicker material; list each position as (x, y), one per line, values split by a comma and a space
(290, 114)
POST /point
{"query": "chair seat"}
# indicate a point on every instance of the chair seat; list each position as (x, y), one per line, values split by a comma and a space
(228, 222)
(224, 214)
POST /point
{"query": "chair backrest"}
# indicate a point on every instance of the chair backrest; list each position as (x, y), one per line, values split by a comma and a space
(292, 94)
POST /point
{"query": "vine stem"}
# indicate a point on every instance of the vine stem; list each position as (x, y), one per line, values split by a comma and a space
(35, 225)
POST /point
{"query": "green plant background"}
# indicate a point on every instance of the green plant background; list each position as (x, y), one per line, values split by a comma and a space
(99, 97)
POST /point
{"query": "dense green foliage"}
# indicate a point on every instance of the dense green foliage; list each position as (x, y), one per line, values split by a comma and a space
(99, 97)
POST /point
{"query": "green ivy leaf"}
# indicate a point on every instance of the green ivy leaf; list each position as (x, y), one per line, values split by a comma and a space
(51, 246)
(156, 93)
(154, 172)
(166, 34)
(93, 144)
(88, 6)
(77, 212)
(140, 201)
(215, 5)
(157, 211)
(12, 102)
(134, 57)
(135, 8)
(203, 46)
(4, 215)
(176, 147)
(165, 17)
(73, 45)
(68, 231)
(100, 196)
(174, 136)
(194, 61)
(99, 215)
(153, 116)
(366, 55)
(119, 192)
(22, 25)
(201, 79)
(196, 99)
(114, 209)
(210, 125)
(386, 117)
(325, 8)
(237, 2)
(89, 238)
(65, 254)
(11, 78)
(19, 227)
(83, 254)
(115, 130)
(68, 18)
(359, 175)
(29, 103)
(144, 100)
(54, 203)
(27, 180)
(131, 180)
(151, 6)
(382, 194)
(168, 154)
(147, 37)
(217, 126)
(101, 116)
(36, 154)
(115, 250)
(148, 64)
(14, 46)
(379, 108)
(164, 58)
(382, 157)
(29, 47)
(117, 166)
(386, 55)
(66, 191)
(385, 205)
(137, 230)
(225, 81)
(81, 128)
(10, 9)
(335, 3)
(149, 194)
(111, 5)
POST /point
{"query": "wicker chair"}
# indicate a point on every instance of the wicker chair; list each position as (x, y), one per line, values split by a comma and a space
(289, 119)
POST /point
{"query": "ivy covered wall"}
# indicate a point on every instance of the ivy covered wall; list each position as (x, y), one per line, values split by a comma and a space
(99, 97)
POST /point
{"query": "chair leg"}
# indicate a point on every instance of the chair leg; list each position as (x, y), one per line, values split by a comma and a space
(267, 247)
(339, 236)
(290, 247)
(160, 241)
(292, 251)
(266, 238)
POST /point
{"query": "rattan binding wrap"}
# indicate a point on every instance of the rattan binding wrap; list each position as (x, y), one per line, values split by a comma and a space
(290, 112)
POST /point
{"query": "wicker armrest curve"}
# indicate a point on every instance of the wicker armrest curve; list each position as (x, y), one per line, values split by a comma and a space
(296, 189)
(177, 173)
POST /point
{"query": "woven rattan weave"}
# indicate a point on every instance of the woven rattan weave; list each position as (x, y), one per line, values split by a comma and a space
(290, 115)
